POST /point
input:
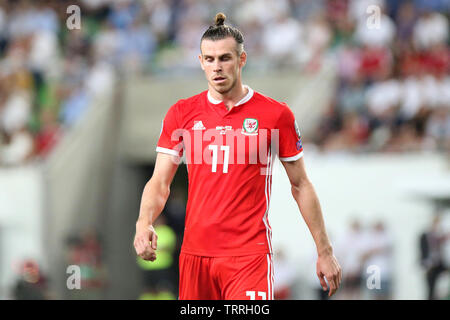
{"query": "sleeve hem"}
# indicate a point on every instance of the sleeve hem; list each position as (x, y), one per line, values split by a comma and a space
(293, 158)
(167, 151)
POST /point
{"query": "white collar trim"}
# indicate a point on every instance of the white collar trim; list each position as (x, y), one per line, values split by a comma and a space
(247, 97)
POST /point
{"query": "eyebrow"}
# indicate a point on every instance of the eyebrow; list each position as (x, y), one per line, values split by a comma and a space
(221, 56)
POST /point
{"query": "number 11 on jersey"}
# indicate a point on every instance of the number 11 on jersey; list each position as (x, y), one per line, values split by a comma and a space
(215, 155)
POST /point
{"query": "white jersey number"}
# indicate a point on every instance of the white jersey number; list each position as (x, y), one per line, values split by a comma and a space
(215, 155)
(252, 295)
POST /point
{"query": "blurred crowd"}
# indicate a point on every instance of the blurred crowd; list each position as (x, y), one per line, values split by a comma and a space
(393, 90)
(85, 250)
(48, 76)
(366, 254)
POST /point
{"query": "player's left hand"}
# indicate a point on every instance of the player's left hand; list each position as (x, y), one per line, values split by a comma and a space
(327, 266)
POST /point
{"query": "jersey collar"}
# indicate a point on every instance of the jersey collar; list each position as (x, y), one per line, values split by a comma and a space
(247, 97)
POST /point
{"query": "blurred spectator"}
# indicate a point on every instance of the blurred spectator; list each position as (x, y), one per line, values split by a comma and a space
(16, 111)
(304, 9)
(349, 61)
(357, 9)
(159, 18)
(281, 50)
(32, 284)
(378, 249)
(431, 254)
(431, 29)
(382, 99)
(349, 251)
(17, 147)
(49, 133)
(317, 40)
(380, 36)
(123, 13)
(438, 128)
(351, 98)
(74, 106)
(85, 251)
(352, 133)
(406, 19)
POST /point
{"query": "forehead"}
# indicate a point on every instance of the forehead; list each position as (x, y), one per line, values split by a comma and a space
(218, 47)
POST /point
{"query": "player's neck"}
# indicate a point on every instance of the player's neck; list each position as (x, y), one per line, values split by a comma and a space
(231, 97)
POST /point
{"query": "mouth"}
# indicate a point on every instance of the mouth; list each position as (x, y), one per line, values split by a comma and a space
(219, 79)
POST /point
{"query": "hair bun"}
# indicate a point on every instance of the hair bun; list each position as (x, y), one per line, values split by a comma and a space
(220, 19)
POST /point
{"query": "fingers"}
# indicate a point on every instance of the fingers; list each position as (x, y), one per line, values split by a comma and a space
(153, 237)
(143, 247)
(138, 246)
(340, 277)
(332, 280)
(154, 240)
(329, 268)
(147, 254)
(152, 256)
(335, 281)
(323, 283)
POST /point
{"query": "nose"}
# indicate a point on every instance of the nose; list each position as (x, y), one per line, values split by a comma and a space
(217, 66)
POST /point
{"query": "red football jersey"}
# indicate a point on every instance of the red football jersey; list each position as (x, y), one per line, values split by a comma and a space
(229, 156)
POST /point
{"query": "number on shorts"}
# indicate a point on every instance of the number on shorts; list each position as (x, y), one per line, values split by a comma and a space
(252, 295)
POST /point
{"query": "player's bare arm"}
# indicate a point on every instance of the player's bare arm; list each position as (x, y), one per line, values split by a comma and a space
(308, 203)
(154, 198)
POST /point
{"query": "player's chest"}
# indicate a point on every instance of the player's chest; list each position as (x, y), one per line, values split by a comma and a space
(250, 123)
(242, 137)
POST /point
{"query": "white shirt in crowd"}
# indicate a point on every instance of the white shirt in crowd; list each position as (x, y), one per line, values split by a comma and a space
(16, 112)
(20, 146)
(379, 240)
(382, 96)
(430, 30)
(381, 36)
(349, 251)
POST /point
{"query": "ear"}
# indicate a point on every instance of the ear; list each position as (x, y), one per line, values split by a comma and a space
(242, 59)
(201, 61)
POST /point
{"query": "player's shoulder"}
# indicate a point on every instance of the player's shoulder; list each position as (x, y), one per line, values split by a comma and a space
(262, 98)
(271, 102)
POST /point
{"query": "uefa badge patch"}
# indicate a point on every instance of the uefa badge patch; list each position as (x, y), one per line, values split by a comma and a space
(297, 130)
(298, 144)
(250, 127)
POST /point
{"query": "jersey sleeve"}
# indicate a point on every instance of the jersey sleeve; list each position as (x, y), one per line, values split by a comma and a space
(290, 146)
(171, 137)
